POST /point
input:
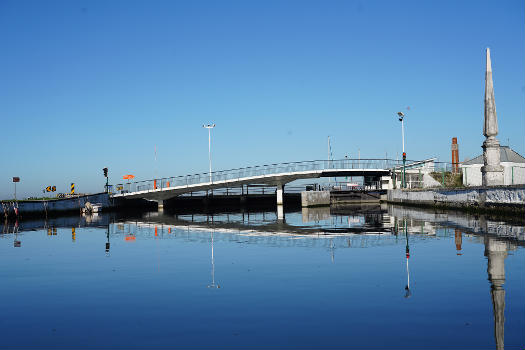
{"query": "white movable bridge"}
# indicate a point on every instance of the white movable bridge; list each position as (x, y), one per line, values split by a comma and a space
(276, 175)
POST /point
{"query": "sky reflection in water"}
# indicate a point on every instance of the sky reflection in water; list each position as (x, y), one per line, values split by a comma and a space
(314, 280)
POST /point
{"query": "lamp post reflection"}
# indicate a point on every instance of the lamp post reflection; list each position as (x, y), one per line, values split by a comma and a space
(407, 251)
(496, 252)
(213, 285)
(332, 247)
(107, 242)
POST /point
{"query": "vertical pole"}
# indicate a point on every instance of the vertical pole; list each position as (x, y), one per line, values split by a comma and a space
(209, 149)
(443, 177)
(512, 172)
(15, 191)
(328, 151)
(403, 135)
(404, 184)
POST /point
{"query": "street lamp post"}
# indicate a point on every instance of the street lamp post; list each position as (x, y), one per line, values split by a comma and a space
(209, 127)
(401, 116)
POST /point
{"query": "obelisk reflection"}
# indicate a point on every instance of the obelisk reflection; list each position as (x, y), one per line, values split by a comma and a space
(496, 252)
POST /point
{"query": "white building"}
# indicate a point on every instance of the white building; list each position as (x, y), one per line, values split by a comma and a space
(513, 168)
(417, 175)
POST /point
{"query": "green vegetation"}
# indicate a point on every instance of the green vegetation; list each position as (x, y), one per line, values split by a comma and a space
(452, 180)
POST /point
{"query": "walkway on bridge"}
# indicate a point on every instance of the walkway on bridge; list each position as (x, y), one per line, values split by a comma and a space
(273, 175)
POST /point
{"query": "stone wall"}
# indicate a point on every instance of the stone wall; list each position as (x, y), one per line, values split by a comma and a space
(478, 197)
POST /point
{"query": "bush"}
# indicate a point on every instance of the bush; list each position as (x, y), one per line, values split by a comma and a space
(451, 179)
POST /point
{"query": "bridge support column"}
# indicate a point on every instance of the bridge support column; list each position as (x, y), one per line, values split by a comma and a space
(280, 190)
(280, 212)
(160, 206)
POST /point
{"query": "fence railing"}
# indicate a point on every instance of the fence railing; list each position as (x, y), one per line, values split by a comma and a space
(262, 170)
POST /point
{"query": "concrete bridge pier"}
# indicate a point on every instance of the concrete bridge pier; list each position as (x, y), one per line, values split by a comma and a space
(280, 191)
(160, 205)
(280, 202)
(280, 212)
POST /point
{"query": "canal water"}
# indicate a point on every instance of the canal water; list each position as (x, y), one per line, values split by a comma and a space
(359, 277)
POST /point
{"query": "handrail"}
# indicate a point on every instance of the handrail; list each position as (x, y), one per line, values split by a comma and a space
(260, 170)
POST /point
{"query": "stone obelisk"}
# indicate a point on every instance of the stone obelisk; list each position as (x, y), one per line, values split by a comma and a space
(491, 171)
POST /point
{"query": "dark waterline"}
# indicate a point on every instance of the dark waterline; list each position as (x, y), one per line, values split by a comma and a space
(363, 277)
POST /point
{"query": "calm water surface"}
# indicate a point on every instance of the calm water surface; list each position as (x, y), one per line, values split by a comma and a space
(351, 278)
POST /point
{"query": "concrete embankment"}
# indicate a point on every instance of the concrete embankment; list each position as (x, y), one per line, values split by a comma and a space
(73, 205)
(315, 198)
(340, 197)
(503, 198)
(65, 205)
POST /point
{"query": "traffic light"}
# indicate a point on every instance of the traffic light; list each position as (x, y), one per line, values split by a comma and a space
(105, 170)
(404, 156)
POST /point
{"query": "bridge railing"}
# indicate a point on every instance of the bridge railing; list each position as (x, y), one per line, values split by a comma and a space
(253, 171)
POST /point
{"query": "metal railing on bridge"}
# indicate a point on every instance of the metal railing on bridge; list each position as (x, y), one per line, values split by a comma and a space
(253, 171)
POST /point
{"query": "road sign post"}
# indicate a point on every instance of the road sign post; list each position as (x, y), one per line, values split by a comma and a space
(15, 180)
(105, 170)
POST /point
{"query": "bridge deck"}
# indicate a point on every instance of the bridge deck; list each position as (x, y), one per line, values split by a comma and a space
(272, 175)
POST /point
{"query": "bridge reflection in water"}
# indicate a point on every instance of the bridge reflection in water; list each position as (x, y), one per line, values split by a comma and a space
(324, 228)
(359, 228)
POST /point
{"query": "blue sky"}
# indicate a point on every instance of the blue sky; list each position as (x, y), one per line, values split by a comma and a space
(89, 84)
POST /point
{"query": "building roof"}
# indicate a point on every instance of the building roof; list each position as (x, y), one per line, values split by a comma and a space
(506, 155)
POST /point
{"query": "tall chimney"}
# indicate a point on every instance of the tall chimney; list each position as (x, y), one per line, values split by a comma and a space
(455, 155)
